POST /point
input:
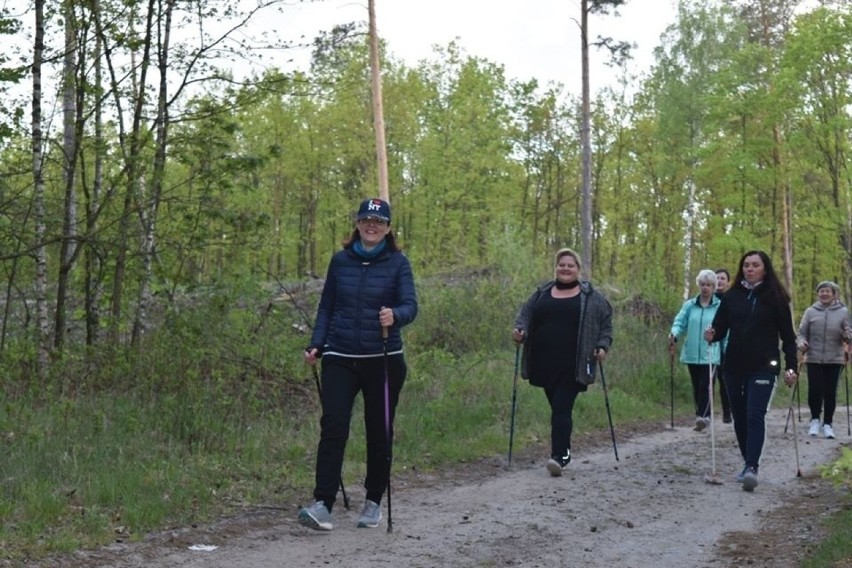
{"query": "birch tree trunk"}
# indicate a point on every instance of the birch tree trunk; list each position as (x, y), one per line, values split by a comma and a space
(69, 161)
(38, 187)
(150, 205)
(92, 261)
(132, 179)
(689, 236)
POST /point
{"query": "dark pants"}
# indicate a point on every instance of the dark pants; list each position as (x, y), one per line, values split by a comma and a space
(700, 375)
(750, 395)
(822, 390)
(561, 399)
(723, 391)
(342, 379)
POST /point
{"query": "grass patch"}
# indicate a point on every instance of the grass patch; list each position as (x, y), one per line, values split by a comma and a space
(836, 549)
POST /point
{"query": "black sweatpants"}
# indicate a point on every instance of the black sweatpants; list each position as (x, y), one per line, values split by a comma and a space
(822, 390)
(342, 379)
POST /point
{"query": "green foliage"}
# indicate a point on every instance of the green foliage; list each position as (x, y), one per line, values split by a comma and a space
(840, 472)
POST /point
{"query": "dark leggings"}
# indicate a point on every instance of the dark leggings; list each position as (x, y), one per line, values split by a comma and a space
(342, 379)
(561, 399)
(700, 375)
(822, 390)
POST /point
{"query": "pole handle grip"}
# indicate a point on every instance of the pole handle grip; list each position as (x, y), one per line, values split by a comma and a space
(384, 329)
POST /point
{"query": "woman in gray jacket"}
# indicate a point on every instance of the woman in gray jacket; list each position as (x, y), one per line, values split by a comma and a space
(566, 327)
(822, 334)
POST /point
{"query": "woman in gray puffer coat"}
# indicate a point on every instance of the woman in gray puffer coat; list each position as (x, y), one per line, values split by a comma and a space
(822, 334)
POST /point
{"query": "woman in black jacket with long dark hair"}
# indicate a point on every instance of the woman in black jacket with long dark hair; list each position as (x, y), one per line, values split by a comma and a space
(755, 315)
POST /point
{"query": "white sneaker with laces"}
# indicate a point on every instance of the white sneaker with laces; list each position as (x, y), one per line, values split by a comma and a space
(828, 431)
(814, 429)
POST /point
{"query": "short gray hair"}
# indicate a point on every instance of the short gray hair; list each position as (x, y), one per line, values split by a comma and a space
(706, 276)
(828, 284)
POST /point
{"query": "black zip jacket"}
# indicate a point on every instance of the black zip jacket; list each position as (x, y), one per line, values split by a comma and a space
(755, 322)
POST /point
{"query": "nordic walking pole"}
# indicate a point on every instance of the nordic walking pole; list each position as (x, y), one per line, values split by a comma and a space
(713, 478)
(388, 424)
(795, 433)
(846, 375)
(799, 400)
(608, 411)
(319, 392)
(799, 375)
(671, 381)
(514, 401)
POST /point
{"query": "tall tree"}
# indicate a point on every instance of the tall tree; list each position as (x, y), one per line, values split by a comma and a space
(38, 194)
(378, 106)
(619, 50)
(70, 135)
(768, 22)
(816, 77)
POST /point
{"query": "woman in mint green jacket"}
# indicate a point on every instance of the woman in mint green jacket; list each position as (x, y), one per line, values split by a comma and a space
(694, 316)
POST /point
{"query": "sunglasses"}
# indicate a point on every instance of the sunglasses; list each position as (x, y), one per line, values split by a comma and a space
(373, 221)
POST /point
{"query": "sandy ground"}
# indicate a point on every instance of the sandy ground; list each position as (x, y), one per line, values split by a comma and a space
(653, 507)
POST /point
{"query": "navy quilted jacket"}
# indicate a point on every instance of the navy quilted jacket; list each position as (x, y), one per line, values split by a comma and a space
(354, 292)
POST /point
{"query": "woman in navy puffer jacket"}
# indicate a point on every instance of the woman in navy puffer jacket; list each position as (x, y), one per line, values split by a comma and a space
(369, 288)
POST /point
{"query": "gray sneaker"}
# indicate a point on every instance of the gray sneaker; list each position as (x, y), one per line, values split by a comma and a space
(749, 479)
(371, 514)
(701, 423)
(741, 475)
(316, 517)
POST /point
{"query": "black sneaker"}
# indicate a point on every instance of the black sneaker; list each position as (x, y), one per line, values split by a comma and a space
(556, 464)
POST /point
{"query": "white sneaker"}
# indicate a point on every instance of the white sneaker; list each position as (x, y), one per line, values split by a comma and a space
(828, 431)
(814, 429)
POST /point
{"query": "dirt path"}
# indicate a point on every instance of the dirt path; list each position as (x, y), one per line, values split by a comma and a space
(651, 508)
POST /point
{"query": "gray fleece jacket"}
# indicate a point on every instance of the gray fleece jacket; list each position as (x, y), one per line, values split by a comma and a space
(595, 329)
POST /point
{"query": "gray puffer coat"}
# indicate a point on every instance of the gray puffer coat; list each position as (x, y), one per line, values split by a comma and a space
(823, 330)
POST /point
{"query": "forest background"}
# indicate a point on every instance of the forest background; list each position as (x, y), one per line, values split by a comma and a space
(164, 222)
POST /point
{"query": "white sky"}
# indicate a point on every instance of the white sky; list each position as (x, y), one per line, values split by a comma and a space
(531, 38)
